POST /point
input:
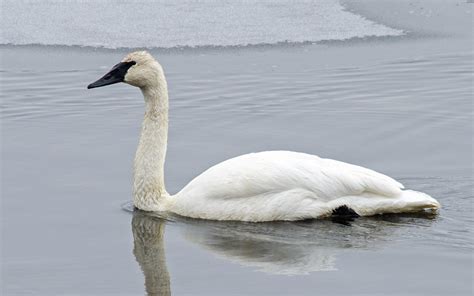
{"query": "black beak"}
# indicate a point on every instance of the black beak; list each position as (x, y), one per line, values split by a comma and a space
(116, 75)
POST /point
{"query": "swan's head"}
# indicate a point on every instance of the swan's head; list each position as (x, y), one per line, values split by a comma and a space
(138, 68)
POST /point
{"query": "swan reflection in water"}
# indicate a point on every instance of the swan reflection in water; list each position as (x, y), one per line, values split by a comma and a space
(292, 248)
(148, 248)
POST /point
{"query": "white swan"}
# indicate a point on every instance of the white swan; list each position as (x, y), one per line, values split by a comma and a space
(264, 186)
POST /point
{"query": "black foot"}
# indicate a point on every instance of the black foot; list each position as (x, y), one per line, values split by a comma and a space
(344, 211)
(343, 215)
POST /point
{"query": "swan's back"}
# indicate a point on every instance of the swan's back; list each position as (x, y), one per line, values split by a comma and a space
(283, 185)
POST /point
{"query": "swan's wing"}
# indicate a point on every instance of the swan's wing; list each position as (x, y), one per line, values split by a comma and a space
(347, 179)
(276, 171)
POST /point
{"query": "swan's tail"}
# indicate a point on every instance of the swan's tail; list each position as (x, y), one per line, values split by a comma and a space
(416, 201)
(408, 201)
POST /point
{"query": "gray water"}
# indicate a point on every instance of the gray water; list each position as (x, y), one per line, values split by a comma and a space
(399, 105)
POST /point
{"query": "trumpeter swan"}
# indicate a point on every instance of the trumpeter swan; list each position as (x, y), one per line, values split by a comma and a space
(264, 186)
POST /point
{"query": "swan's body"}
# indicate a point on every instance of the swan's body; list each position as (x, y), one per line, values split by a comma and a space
(284, 185)
(265, 186)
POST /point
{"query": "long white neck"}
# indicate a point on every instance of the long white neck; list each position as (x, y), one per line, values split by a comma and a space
(149, 184)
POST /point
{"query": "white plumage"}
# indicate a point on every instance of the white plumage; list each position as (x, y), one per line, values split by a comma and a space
(284, 185)
(265, 186)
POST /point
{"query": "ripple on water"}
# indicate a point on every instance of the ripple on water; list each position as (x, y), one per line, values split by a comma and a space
(436, 86)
